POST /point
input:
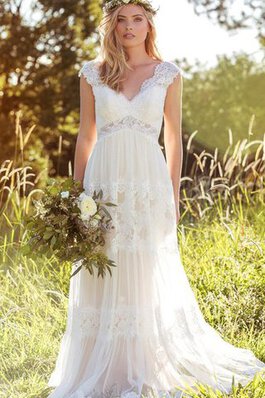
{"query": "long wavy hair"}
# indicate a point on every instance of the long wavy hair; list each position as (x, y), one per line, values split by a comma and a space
(113, 55)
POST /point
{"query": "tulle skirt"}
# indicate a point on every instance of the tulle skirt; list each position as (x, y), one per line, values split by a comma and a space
(140, 330)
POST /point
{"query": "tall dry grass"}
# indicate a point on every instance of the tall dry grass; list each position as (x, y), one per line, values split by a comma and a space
(224, 182)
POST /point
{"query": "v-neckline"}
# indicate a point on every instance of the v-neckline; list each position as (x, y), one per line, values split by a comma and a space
(120, 93)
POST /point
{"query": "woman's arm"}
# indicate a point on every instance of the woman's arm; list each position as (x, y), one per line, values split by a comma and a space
(173, 135)
(87, 135)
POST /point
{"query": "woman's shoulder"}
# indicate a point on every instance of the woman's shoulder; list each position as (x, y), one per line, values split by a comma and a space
(172, 67)
(89, 71)
(168, 71)
(89, 64)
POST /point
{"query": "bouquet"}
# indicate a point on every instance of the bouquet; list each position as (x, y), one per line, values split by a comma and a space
(71, 226)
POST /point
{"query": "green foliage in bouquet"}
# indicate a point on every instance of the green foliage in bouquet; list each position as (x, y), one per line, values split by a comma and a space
(70, 225)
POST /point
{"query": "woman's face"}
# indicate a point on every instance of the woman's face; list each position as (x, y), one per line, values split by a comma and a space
(131, 19)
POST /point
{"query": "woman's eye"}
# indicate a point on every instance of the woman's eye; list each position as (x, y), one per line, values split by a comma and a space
(136, 19)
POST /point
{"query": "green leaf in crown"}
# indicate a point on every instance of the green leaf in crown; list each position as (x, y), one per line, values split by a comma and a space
(111, 4)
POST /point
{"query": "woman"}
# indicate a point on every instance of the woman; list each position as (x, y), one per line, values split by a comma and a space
(139, 331)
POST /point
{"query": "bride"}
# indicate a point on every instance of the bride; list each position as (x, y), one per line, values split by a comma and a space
(139, 332)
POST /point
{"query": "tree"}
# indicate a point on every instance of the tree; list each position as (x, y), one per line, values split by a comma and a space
(38, 74)
(225, 97)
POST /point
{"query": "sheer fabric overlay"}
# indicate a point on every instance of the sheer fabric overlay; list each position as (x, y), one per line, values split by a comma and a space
(139, 332)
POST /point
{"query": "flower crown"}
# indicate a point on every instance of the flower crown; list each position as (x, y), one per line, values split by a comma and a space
(112, 4)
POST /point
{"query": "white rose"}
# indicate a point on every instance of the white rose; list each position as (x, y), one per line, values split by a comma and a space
(65, 194)
(87, 205)
(126, 1)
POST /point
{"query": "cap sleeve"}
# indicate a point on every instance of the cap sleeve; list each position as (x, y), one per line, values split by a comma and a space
(89, 71)
(168, 73)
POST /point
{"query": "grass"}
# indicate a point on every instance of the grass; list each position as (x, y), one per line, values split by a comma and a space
(225, 266)
(222, 251)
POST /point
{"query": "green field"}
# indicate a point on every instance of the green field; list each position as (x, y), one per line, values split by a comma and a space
(225, 265)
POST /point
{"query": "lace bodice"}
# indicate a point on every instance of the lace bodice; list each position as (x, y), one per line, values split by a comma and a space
(115, 111)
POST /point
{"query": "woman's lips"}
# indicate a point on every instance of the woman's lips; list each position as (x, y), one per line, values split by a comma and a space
(128, 36)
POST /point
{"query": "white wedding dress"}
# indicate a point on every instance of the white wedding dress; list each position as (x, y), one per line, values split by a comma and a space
(139, 331)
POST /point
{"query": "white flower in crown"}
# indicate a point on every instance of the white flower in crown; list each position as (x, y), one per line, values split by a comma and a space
(114, 3)
(65, 194)
(87, 205)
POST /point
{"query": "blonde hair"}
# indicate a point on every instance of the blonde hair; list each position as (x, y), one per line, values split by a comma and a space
(114, 57)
